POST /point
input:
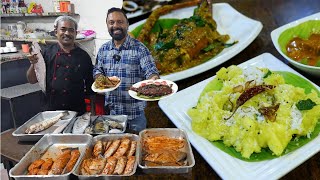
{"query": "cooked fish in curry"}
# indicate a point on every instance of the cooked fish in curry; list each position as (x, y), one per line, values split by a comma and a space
(188, 43)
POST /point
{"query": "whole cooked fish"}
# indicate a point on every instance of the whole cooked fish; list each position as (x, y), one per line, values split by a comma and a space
(40, 126)
(40, 66)
(81, 123)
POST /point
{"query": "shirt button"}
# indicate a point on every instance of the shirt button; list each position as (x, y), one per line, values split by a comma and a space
(67, 66)
(58, 65)
(64, 91)
(63, 104)
(66, 79)
(55, 78)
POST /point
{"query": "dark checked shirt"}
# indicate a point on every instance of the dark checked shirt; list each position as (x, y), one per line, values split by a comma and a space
(68, 78)
(136, 64)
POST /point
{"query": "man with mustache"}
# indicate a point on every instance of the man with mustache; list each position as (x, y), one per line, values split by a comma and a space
(68, 69)
(131, 61)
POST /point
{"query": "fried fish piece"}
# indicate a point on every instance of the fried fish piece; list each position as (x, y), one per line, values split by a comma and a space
(97, 149)
(130, 164)
(60, 163)
(47, 164)
(92, 166)
(121, 164)
(113, 147)
(36, 164)
(75, 154)
(132, 149)
(124, 146)
(110, 166)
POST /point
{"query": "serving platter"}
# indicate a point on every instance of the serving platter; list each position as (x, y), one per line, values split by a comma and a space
(228, 167)
(229, 21)
(134, 95)
(41, 116)
(94, 89)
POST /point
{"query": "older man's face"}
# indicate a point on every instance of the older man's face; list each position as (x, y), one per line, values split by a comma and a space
(117, 25)
(66, 33)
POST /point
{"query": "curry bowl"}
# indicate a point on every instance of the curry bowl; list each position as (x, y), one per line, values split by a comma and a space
(302, 28)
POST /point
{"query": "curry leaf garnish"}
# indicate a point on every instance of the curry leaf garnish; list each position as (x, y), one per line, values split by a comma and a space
(267, 74)
(305, 104)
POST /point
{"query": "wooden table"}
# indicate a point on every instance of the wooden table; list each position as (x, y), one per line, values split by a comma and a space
(271, 14)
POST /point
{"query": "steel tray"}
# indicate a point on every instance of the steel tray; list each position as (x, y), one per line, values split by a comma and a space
(107, 137)
(172, 133)
(55, 129)
(122, 119)
(48, 147)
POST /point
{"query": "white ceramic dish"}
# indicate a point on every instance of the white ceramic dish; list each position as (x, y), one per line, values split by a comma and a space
(275, 34)
(94, 89)
(228, 167)
(229, 21)
(133, 94)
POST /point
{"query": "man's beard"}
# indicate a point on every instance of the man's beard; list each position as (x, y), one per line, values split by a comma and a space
(118, 37)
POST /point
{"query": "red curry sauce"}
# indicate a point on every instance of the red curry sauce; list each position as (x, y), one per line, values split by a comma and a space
(306, 51)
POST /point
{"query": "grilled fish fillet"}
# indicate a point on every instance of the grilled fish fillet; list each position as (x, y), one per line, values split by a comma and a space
(121, 164)
(124, 146)
(40, 126)
(111, 164)
(113, 147)
(36, 164)
(130, 165)
(75, 154)
(60, 163)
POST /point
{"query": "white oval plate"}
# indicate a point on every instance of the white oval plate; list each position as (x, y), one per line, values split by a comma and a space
(94, 89)
(133, 94)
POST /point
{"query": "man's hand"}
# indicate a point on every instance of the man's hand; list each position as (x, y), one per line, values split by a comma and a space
(154, 77)
(33, 58)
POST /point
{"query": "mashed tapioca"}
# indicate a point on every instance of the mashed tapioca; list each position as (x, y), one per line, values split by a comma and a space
(250, 128)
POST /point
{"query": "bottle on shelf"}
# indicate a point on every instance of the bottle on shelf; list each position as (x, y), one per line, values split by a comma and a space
(56, 5)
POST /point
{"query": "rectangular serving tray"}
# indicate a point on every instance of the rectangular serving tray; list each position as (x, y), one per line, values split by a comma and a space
(49, 146)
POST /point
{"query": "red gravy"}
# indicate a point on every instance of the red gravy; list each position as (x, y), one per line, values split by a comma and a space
(309, 49)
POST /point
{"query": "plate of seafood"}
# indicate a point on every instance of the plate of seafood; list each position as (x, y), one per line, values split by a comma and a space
(211, 42)
(105, 84)
(47, 122)
(173, 146)
(153, 90)
(95, 125)
(239, 100)
(110, 156)
(53, 156)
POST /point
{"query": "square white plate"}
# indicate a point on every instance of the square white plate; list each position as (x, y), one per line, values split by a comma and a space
(229, 21)
(228, 167)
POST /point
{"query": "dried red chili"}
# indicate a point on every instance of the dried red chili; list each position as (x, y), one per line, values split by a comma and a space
(248, 94)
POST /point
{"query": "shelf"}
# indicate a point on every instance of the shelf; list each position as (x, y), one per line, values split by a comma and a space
(40, 40)
(33, 15)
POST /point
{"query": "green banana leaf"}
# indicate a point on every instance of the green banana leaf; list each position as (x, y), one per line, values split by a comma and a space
(266, 153)
(303, 30)
(160, 23)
